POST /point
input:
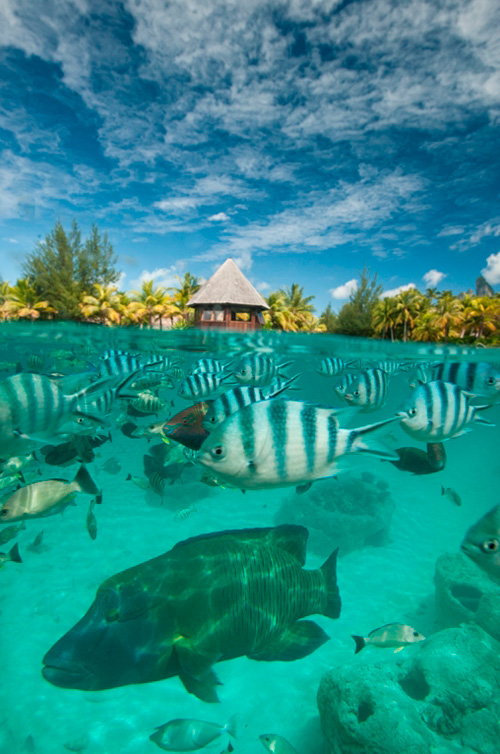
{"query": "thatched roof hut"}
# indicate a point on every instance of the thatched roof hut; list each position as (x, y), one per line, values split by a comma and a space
(228, 301)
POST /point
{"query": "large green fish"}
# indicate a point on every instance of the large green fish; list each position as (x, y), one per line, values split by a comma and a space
(210, 598)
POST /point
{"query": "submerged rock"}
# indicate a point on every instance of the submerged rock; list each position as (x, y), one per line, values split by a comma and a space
(445, 697)
(466, 594)
(349, 511)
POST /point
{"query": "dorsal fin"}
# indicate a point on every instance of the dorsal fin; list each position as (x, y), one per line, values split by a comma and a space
(288, 537)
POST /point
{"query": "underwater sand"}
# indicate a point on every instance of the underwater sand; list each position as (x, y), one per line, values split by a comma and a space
(46, 595)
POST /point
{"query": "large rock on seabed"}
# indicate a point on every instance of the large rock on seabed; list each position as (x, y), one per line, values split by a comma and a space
(443, 698)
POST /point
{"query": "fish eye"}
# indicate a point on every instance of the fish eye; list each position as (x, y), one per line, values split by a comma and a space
(491, 545)
(217, 452)
(412, 411)
(356, 393)
(3, 512)
(490, 381)
(415, 633)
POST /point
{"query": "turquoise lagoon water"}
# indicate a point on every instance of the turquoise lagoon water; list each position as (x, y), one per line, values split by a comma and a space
(380, 582)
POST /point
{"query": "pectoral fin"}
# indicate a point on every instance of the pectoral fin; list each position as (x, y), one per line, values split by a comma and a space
(193, 662)
(203, 688)
(295, 642)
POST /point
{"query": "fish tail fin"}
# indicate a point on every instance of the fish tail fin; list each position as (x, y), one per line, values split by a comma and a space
(15, 555)
(360, 643)
(329, 571)
(481, 419)
(231, 726)
(379, 450)
(284, 365)
(286, 384)
(85, 481)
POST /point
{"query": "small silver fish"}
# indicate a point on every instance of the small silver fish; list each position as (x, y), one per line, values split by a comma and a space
(482, 542)
(111, 466)
(452, 495)
(10, 532)
(391, 635)
(188, 735)
(182, 514)
(276, 744)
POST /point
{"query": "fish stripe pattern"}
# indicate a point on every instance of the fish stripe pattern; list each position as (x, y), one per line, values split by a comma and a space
(308, 420)
(278, 421)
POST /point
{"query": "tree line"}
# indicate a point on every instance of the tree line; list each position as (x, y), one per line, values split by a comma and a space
(67, 277)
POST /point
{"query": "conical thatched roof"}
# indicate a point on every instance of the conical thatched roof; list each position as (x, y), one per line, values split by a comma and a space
(228, 285)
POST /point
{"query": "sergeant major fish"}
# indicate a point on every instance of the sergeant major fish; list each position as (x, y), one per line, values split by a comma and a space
(279, 443)
(211, 598)
(188, 735)
(479, 378)
(391, 635)
(482, 542)
(438, 411)
(202, 385)
(368, 391)
(239, 397)
(258, 370)
(46, 498)
(333, 366)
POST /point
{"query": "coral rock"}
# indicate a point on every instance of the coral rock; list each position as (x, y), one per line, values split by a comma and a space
(444, 697)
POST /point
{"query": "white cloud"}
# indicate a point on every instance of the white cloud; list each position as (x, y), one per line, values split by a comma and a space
(344, 291)
(162, 276)
(262, 286)
(491, 272)
(433, 278)
(218, 218)
(399, 289)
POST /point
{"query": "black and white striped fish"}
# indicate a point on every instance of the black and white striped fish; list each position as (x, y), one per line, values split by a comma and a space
(333, 366)
(438, 411)
(480, 378)
(393, 367)
(368, 391)
(202, 385)
(121, 364)
(278, 443)
(239, 397)
(209, 366)
(258, 370)
(33, 409)
(344, 385)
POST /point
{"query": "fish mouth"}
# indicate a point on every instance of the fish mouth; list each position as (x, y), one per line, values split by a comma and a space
(402, 414)
(67, 677)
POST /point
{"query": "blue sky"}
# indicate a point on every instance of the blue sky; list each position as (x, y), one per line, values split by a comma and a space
(304, 138)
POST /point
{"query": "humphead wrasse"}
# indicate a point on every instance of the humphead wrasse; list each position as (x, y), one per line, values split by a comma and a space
(208, 599)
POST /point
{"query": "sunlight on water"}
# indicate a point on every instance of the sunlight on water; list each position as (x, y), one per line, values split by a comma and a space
(393, 508)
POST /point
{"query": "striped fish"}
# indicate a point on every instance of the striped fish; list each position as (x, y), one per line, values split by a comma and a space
(209, 366)
(33, 409)
(237, 398)
(421, 374)
(393, 367)
(279, 443)
(258, 370)
(332, 366)
(201, 385)
(368, 391)
(122, 364)
(438, 411)
(344, 386)
(480, 378)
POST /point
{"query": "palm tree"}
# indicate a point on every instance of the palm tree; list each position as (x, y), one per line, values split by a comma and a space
(298, 304)
(278, 316)
(105, 305)
(385, 316)
(449, 313)
(481, 316)
(152, 302)
(22, 302)
(408, 307)
(427, 327)
(188, 287)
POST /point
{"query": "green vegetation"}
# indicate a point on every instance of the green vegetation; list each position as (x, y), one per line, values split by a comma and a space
(67, 278)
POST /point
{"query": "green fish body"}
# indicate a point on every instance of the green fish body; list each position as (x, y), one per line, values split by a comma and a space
(210, 598)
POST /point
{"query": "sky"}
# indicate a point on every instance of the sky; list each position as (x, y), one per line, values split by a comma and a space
(303, 138)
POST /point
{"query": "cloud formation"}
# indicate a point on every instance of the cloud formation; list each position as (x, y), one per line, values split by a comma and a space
(396, 291)
(433, 278)
(342, 292)
(491, 272)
